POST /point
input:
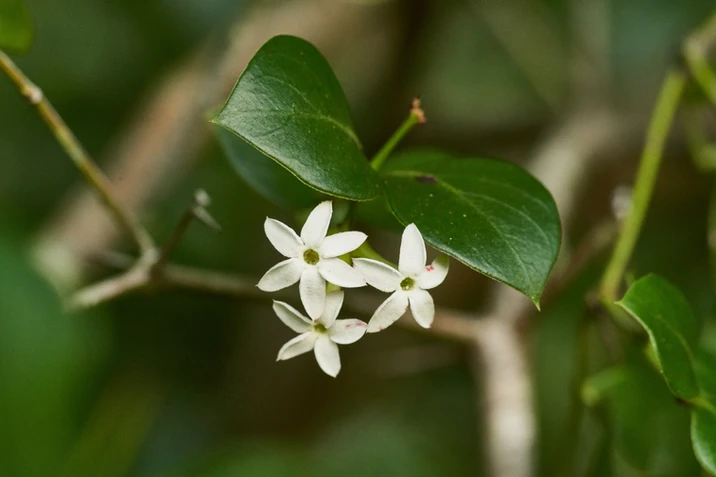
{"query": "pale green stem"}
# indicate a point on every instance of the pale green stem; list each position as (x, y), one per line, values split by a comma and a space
(661, 120)
(695, 52)
(92, 174)
(416, 117)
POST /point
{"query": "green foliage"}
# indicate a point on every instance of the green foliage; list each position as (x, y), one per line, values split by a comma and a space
(289, 105)
(667, 317)
(640, 409)
(16, 30)
(491, 215)
(42, 357)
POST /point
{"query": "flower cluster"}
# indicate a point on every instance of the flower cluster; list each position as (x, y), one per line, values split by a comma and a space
(313, 260)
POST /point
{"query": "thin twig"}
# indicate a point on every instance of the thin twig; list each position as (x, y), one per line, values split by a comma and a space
(196, 211)
(92, 174)
(416, 116)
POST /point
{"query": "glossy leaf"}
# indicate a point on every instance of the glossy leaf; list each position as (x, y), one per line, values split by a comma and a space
(289, 105)
(16, 28)
(650, 430)
(667, 317)
(268, 178)
(491, 215)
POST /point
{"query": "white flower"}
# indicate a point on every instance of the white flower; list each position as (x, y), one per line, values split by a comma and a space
(320, 335)
(312, 258)
(408, 284)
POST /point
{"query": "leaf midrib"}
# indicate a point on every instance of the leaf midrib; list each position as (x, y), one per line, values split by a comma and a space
(345, 129)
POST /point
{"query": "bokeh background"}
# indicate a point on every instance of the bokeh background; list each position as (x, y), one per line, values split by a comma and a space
(177, 383)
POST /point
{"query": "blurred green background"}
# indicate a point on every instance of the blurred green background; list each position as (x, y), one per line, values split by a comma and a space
(165, 384)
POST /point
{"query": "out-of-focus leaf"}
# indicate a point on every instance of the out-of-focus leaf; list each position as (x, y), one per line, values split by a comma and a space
(650, 429)
(703, 435)
(491, 215)
(370, 444)
(16, 28)
(41, 359)
(703, 417)
(289, 105)
(664, 312)
(266, 176)
(254, 460)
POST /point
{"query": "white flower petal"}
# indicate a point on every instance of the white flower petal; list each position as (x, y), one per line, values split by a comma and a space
(435, 273)
(412, 252)
(347, 331)
(302, 343)
(327, 355)
(388, 312)
(291, 317)
(334, 302)
(313, 292)
(378, 275)
(282, 275)
(316, 226)
(338, 244)
(283, 238)
(422, 306)
(338, 272)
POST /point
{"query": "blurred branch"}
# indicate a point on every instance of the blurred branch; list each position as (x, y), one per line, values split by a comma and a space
(92, 174)
(564, 163)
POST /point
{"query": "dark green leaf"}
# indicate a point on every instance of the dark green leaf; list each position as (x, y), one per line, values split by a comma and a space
(289, 105)
(264, 175)
(491, 215)
(16, 29)
(649, 428)
(667, 317)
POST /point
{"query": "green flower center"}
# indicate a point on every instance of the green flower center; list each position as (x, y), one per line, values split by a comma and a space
(311, 257)
(319, 328)
(407, 284)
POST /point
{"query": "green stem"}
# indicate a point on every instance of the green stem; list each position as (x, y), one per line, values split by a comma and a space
(77, 153)
(661, 119)
(415, 117)
(695, 52)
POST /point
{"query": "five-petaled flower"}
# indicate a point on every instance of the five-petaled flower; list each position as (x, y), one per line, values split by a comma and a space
(408, 284)
(312, 258)
(321, 335)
